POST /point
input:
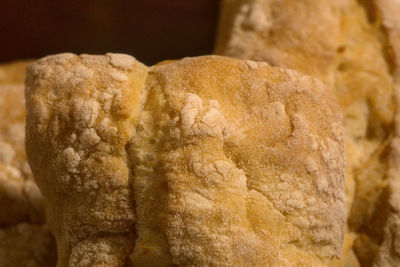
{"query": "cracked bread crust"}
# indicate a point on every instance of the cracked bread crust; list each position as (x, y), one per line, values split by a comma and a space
(353, 47)
(231, 162)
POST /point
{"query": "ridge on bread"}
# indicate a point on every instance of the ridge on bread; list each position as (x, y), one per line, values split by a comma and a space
(206, 161)
(354, 47)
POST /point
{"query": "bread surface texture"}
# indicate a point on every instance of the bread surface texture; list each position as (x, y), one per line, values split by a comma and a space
(80, 116)
(24, 240)
(206, 161)
(353, 46)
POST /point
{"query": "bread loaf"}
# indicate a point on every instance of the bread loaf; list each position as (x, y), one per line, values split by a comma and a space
(19, 196)
(206, 161)
(24, 239)
(353, 46)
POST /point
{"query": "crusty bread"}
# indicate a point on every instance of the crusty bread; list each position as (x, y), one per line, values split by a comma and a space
(354, 47)
(206, 161)
(24, 241)
(300, 35)
(80, 115)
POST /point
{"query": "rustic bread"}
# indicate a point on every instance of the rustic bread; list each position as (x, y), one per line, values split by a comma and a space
(206, 161)
(24, 240)
(354, 47)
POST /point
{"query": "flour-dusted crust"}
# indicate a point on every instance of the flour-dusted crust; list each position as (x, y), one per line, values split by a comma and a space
(81, 113)
(350, 45)
(217, 161)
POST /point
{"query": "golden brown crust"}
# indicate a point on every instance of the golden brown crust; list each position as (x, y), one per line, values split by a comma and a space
(284, 33)
(270, 138)
(350, 45)
(81, 113)
(232, 162)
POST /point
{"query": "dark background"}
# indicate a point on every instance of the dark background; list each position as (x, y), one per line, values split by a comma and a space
(150, 30)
